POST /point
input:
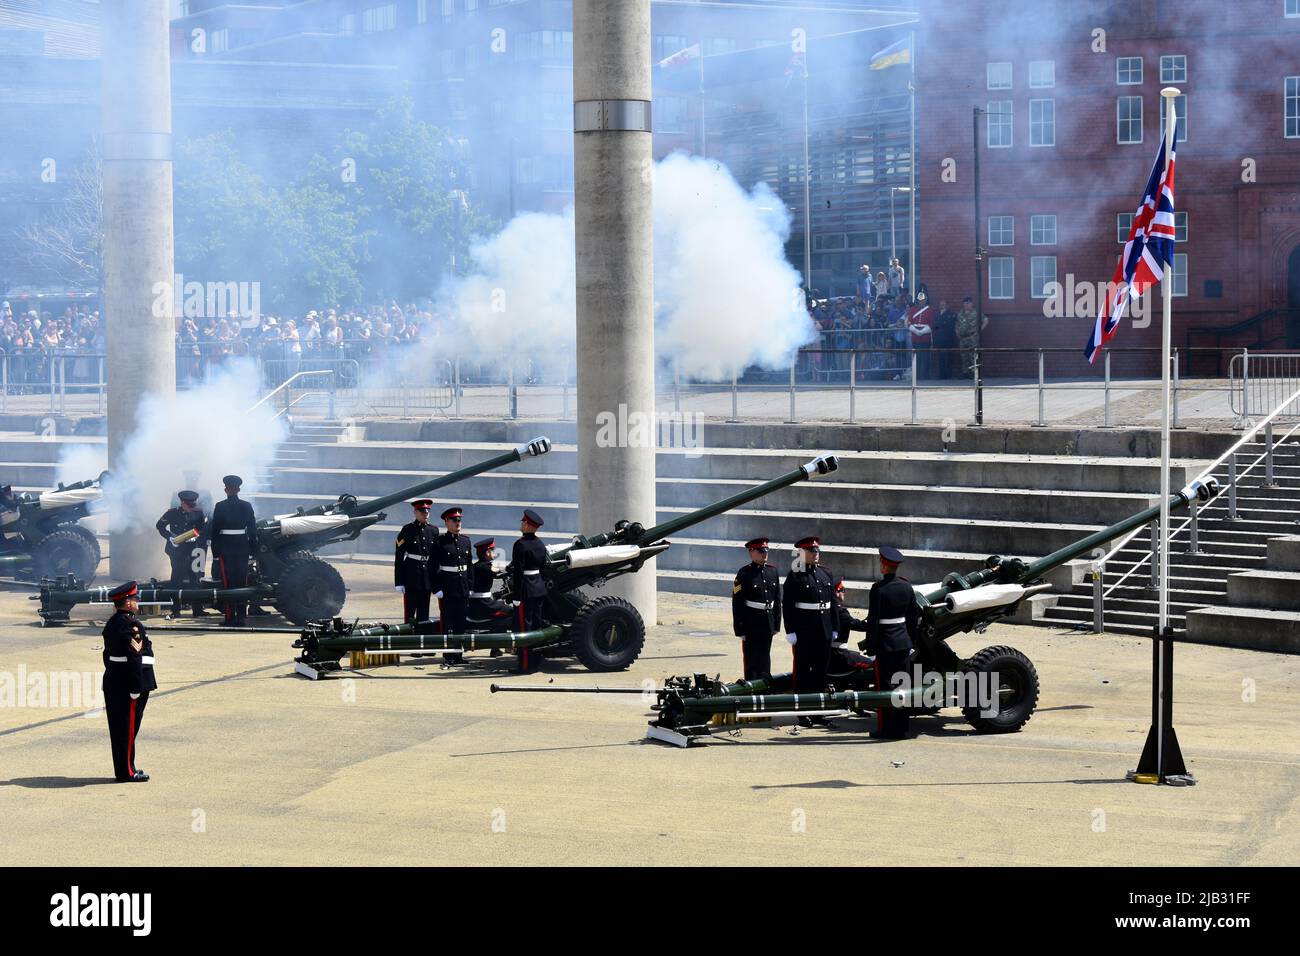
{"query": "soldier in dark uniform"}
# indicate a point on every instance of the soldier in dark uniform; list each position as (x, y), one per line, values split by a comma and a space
(811, 616)
(756, 609)
(233, 531)
(411, 563)
(450, 578)
(128, 679)
(526, 584)
(186, 556)
(482, 603)
(893, 616)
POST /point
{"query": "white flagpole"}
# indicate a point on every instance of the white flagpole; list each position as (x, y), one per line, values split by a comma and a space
(1167, 288)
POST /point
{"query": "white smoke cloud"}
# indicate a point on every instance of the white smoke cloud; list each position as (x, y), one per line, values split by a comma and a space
(205, 430)
(725, 297)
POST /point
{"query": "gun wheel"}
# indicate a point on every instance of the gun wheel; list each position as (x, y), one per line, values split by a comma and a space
(607, 634)
(1017, 690)
(72, 550)
(310, 590)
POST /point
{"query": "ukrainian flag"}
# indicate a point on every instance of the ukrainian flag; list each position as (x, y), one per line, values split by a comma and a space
(892, 55)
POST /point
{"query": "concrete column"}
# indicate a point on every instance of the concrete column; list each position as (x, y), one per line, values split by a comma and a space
(612, 172)
(136, 108)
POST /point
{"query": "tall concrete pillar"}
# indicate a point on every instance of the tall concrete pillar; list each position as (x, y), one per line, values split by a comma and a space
(136, 107)
(612, 166)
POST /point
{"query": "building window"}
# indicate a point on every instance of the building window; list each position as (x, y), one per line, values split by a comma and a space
(1002, 277)
(1173, 69)
(379, 19)
(1002, 231)
(472, 56)
(1042, 122)
(1180, 114)
(1042, 74)
(220, 40)
(347, 24)
(714, 46)
(471, 6)
(1292, 106)
(671, 115)
(557, 110)
(1042, 230)
(1180, 273)
(667, 44)
(1293, 8)
(999, 76)
(999, 119)
(1123, 225)
(1128, 70)
(1042, 271)
(548, 46)
(1128, 119)
(1180, 227)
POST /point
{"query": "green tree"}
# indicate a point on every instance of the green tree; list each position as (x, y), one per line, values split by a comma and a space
(409, 184)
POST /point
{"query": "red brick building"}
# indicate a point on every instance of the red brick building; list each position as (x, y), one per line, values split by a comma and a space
(1073, 123)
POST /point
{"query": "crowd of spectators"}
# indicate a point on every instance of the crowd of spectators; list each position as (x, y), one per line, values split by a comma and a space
(285, 344)
(881, 323)
(33, 344)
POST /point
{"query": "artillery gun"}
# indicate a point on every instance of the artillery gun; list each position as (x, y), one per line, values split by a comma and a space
(39, 533)
(286, 573)
(996, 688)
(603, 633)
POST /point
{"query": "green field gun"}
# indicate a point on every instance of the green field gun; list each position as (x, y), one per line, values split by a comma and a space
(996, 688)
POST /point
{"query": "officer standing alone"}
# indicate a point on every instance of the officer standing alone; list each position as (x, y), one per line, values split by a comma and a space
(128, 679)
(183, 528)
(450, 577)
(526, 562)
(893, 616)
(411, 563)
(756, 609)
(234, 537)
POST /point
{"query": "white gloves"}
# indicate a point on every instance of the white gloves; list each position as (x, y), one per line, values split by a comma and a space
(438, 595)
(400, 588)
(793, 638)
(135, 696)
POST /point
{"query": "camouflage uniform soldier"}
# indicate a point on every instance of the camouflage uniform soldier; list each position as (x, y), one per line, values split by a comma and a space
(968, 329)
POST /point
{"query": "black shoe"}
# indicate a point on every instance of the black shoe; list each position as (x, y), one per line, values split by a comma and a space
(496, 652)
(138, 777)
(256, 611)
(199, 612)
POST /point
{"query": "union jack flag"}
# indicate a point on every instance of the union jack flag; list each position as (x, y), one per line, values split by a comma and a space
(1148, 250)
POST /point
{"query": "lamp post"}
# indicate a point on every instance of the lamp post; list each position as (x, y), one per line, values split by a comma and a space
(893, 239)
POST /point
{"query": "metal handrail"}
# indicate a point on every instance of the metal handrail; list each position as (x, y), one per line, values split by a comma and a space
(312, 394)
(287, 382)
(1100, 564)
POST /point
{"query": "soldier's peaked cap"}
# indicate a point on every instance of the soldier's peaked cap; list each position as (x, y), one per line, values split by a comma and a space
(532, 517)
(424, 504)
(124, 591)
(485, 544)
(756, 543)
(812, 541)
(232, 481)
(451, 513)
(190, 496)
(892, 555)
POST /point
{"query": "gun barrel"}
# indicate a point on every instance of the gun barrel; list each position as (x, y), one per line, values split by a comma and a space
(1200, 490)
(502, 688)
(530, 449)
(821, 465)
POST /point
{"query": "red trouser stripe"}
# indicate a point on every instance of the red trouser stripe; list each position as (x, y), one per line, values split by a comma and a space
(130, 739)
(230, 605)
(879, 713)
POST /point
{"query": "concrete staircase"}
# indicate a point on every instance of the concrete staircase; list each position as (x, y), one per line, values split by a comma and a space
(1230, 568)
(994, 491)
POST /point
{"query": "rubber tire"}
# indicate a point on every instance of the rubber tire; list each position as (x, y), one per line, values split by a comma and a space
(595, 619)
(1006, 662)
(310, 590)
(72, 550)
